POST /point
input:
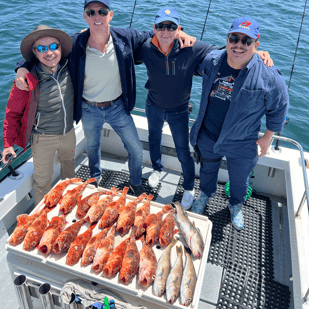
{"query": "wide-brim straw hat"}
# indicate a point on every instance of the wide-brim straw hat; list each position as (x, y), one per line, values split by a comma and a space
(45, 31)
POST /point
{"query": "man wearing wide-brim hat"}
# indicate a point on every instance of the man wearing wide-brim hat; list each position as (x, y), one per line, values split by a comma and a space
(44, 114)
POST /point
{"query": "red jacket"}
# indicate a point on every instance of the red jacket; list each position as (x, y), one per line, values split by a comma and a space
(20, 113)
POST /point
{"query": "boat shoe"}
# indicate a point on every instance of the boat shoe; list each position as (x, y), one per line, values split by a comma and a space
(200, 203)
(237, 217)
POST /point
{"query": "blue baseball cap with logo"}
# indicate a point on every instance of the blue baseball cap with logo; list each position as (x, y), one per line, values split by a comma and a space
(246, 25)
(105, 2)
(167, 14)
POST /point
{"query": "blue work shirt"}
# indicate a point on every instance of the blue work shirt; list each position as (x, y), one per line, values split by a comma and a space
(258, 90)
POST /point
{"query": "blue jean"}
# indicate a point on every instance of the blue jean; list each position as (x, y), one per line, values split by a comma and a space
(93, 119)
(239, 169)
(179, 125)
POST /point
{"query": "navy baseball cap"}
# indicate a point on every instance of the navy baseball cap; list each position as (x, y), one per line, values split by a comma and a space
(105, 2)
(167, 14)
(246, 25)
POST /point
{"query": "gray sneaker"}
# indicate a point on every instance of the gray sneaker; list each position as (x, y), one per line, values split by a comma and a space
(187, 199)
(200, 203)
(154, 178)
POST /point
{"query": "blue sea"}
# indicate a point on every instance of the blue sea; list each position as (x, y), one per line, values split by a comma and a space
(280, 23)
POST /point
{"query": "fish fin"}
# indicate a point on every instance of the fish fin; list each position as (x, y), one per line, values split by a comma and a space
(176, 231)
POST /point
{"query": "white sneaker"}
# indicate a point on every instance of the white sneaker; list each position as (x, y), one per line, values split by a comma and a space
(187, 199)
(154, 178)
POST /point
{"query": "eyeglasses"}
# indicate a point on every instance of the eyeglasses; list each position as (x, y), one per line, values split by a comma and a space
(101, 12)
(44, 48)
(245, 40)
(169, 27)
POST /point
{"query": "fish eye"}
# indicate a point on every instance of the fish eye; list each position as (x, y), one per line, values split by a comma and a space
(90, 258)
(153, 277)
(33, 244)
(56, 200)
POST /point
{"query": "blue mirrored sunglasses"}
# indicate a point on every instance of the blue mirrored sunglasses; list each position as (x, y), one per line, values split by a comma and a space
(169, 27)
(44, 48)
(101, 12)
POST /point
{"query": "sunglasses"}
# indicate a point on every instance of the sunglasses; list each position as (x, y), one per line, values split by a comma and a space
(169, 27)
(245, 40)
(101, 12)
(44, 48)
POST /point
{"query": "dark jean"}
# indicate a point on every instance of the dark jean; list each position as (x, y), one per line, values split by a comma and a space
(179, 124)
(93, 119)
(239, 169)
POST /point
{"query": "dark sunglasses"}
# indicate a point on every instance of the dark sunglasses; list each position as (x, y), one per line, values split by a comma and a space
(44, 48)
(169, 27)
(101, 12)
(245, 40)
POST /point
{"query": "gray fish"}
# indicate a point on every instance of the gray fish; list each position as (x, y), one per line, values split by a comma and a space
(163, 269)
(191, 234)
(188, 281)
(174, 278)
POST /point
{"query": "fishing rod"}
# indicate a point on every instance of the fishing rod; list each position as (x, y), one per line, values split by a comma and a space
(132, 14)
(292, 69)
(206, 19)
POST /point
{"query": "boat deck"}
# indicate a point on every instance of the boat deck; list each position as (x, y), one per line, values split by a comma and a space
(247, 269)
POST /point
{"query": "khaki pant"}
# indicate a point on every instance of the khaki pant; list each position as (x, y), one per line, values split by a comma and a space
(44, 148)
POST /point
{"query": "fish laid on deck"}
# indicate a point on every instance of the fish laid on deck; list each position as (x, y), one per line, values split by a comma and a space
(54, 195)
(83, 204)
(163, 270)
(111, 213)
(191, 234)
(167, 231)
(97, 210)
(35, 231)
(130, 263)
(51, 233)
(69, 200)
(66, 237)
(188, 281)
(140, 217)
(174, 278)
(114, 261)
(147, 265)
(24, 221)
(153, 223)
(127, 215)
(78, 246)
(91, 248)
(104, 250)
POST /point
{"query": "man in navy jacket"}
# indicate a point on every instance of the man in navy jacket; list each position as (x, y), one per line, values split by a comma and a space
(238, 90)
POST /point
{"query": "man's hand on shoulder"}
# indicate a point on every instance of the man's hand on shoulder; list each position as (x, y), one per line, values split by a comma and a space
(265, 56)
(186, 40)
(20, 79)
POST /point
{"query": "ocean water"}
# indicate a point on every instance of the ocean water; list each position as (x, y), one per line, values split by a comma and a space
(279, 26)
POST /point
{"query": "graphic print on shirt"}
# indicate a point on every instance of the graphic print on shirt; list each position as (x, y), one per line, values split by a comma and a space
(223, 88)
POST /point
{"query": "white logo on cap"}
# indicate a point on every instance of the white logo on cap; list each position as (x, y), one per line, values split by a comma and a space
(167, 12)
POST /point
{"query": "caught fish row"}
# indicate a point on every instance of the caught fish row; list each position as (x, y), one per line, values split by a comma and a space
(177, 281)
(113, 217)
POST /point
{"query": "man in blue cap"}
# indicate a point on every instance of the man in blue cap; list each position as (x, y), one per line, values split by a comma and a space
(170, 72)
(238, 91)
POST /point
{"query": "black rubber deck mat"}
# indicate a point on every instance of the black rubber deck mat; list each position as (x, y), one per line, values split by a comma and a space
(116, 179)
(250, 249)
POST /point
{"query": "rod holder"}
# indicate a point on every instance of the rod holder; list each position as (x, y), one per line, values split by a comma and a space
(22, 291)
(73, 304)
(46, 296)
